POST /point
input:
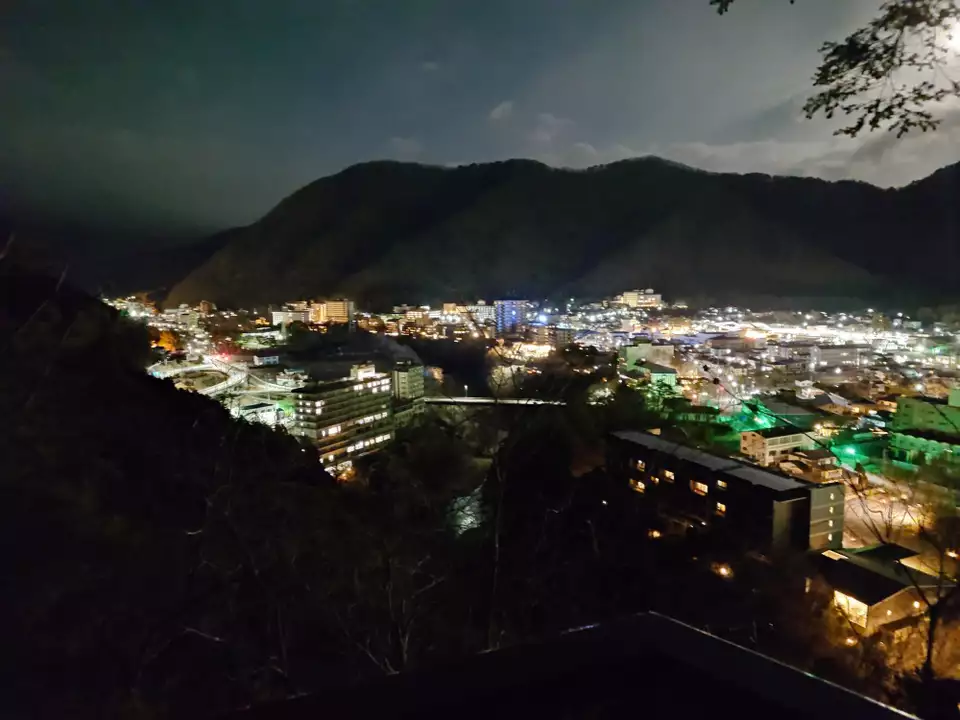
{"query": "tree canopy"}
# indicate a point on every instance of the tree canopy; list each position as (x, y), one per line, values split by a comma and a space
(890, 73)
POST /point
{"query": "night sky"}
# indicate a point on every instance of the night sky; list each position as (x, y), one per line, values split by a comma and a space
(186, 116)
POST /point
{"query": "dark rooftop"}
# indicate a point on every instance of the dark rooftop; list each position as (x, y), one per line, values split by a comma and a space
(776, 432)
(873, 574)
(936, 435)
(658, 369)
(743, 471)
(814, 454)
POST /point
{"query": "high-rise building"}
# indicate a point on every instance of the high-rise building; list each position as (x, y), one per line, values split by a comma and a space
(552, 335)
(285, 317)
(318, 313)
(511, 315)
(346, 417)
(564, 336)
(408, 391)
(407, 380)
(481, 312)
(641, 299)
(340, 311)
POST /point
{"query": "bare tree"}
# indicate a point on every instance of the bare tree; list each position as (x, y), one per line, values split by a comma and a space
(890, 73)
(919, 509)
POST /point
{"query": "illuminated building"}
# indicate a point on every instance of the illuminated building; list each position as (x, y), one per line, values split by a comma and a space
(831, 355)
(659, 375)
(340, 311)
(564, 336)
(554, 336)
(923, 413)
(408, 390)
(318, 313)
(873, 588)
(816, 465)
(766, 510)
(645, 351)
(285, 317)
(346, 417)
(769, 446)
(641, 299)
(925, 429)
(511, 315)
(482, 313)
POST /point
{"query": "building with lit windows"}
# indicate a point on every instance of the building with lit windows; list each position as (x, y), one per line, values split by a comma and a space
(552, 335)
(318, 313)
(511, 315)
(771, 445)
(874, 588)
(641, 299)
(816, 465)
(925, 413)
(835, 355)
(340, 311)
(285, 317)
(764, 509)
(346, 417)
(408, 391)
(482, 313)
(926, 429)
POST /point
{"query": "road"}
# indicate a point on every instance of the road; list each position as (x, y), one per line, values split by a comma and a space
(162, 370)
(235, 375)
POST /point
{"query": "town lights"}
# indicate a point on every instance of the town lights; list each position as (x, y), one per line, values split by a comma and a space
(723, 570)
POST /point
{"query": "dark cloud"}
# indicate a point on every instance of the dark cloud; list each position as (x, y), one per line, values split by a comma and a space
(184, 115)
(405, 148)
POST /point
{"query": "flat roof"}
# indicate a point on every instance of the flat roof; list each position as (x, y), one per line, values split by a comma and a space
(749, 473)
(659, 369)
(814, 454)
(934, 435)
(776, 432)
(778, 407)
(765, 478)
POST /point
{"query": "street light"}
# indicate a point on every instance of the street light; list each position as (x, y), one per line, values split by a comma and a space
(465, 391)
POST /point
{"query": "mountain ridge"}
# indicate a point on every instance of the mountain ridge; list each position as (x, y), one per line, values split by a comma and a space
(388, 231)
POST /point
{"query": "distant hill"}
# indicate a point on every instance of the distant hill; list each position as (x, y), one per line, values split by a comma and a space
(383, 232)
(100, 261)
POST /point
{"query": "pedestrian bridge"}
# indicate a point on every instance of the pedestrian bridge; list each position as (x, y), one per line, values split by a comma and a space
(470, 400)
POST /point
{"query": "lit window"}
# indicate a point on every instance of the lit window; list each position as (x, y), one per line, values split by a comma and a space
(721, 509)
(654, 479)
(721, 485)
(638, 485)
(855, 610)
(668, 474)
(641, 465)
(699, 488)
